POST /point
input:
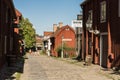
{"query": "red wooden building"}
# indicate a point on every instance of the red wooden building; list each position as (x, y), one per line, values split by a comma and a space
(18, 43)
(63, 35)
(7, 18)
(101, 30)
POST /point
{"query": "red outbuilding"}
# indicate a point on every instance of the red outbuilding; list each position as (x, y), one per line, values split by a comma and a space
(62, 39)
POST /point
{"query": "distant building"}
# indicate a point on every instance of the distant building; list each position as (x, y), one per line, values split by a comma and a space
(60, 37)
(63, 36)
(47, 42)
(47, 38)
(39, 43)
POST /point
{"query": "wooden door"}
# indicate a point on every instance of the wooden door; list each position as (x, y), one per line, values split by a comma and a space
(104, 50)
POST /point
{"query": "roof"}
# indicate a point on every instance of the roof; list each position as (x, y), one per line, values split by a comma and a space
(60, 30)
(18, 14)
(38, 39)
(84, 2)
(46, 33)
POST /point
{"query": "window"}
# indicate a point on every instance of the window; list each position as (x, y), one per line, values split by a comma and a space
(89, 20)
(103, 11)
(67, 29)
(90, 15)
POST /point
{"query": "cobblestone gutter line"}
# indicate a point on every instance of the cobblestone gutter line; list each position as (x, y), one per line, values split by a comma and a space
(108, 73)
(111, 74)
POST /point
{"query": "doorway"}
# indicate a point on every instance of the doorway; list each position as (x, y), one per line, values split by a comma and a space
(103, 49)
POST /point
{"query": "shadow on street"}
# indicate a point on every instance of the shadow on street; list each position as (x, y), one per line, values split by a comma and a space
(10, 72)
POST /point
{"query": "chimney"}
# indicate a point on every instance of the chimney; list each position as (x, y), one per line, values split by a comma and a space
(54, 27)
(60, 24)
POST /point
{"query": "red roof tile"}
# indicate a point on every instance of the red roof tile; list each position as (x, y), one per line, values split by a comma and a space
(61, 29)
(18, 13)
(48, 33)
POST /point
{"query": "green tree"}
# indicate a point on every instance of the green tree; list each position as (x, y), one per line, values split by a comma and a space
(27, 32)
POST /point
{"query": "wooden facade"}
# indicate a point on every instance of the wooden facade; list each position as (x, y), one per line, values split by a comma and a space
(105, 46)
(18, 43)
(65, 35)
(7, 17)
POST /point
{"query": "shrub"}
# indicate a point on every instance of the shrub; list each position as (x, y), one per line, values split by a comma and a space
(67, 51)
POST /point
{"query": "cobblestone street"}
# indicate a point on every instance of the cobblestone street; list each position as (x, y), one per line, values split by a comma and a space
(47, 68)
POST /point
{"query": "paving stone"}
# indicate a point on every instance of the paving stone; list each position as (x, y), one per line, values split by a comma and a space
(42, 67)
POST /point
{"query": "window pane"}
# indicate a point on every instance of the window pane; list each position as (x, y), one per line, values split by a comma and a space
(103, 12)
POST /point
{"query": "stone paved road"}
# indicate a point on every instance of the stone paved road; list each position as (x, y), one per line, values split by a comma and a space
(46, 68)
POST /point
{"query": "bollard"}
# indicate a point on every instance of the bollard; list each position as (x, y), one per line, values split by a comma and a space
(88, 60)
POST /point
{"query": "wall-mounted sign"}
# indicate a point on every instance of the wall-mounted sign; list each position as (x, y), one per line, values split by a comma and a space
(66, 39)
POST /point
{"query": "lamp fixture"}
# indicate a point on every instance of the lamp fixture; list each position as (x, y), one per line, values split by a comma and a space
(96, 32)
(89, 27)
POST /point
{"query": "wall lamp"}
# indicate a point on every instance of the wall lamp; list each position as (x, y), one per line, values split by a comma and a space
(89, 27)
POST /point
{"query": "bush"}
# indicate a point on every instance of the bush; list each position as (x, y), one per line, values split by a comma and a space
(43, 52)
(67, 51)
(59, 50)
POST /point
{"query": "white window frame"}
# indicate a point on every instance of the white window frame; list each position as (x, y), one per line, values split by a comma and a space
(103, 11)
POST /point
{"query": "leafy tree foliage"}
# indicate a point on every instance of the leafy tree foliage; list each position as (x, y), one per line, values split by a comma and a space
(27, 32)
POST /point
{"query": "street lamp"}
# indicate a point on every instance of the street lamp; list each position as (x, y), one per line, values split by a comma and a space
(62, 47)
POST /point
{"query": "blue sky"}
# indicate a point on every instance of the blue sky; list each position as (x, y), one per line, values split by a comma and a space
(44, 13)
